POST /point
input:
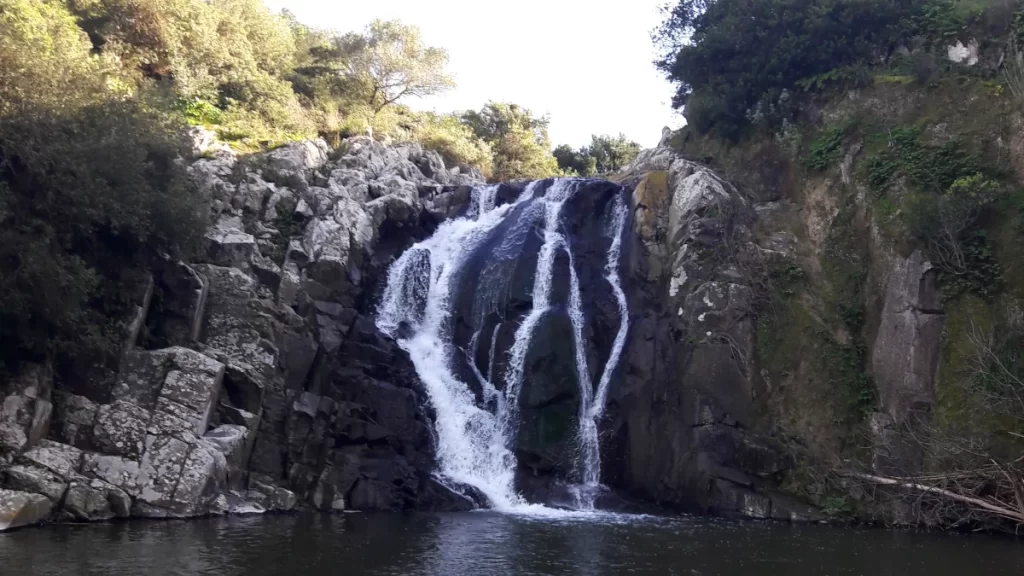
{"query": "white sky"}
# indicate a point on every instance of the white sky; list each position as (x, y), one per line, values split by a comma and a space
(586, 63)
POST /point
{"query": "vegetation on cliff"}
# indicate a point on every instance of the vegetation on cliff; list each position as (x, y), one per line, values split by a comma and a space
(870, 130)
(96, 97)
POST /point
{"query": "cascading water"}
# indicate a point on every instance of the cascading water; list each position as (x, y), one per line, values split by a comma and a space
(476, 433)
(592, 409)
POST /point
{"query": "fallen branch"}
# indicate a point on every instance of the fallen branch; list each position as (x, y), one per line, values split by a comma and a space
(996, 509)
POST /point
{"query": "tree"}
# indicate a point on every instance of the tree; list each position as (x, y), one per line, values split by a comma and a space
(392, 63)
(575, 162)
(496, 119)
(605, 154)
(728, 56)
(522, 148)
(612, 153)
(90, 184)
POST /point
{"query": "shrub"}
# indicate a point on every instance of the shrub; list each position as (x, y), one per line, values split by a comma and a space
(455, 141)
(826, 149)
(90, 184)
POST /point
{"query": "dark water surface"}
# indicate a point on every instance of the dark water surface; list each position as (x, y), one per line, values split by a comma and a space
(488, 543)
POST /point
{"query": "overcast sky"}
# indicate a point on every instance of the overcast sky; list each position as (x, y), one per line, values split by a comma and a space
(587, 64)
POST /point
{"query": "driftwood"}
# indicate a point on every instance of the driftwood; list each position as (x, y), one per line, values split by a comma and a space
(994, 507)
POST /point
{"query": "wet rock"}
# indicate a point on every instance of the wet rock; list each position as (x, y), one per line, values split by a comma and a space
(19, 509)
(272, 498)
(232, 441)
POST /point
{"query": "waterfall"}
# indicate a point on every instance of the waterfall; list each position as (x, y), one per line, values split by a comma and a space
(475, 438)
(592, 407)
(472, 448)
(553, 240)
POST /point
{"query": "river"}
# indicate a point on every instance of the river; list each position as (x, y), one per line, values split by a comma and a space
(488, 543)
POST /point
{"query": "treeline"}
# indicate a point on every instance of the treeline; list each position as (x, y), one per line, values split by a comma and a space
(743, 64)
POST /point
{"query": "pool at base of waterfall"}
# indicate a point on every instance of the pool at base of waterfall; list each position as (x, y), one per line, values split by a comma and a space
(489, 543)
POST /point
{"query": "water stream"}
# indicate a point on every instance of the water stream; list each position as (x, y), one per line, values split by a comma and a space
(475, 438)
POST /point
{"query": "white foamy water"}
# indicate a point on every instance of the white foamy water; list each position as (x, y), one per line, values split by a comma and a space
(553, 202)
(591, 413)
(471, 446)
(474, 442)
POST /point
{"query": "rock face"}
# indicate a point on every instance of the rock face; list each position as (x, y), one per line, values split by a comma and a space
(262, 383)
(683, 434)
(905, 359)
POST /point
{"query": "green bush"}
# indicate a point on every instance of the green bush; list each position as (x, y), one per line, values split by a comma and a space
(826, 149)
(456, 142)
(90, 185)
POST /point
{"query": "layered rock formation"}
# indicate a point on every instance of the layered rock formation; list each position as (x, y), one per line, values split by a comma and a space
(254, 378)
(683, 434)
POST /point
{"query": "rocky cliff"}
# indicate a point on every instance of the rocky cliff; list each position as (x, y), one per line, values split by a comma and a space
(782, 333)
(253, 378)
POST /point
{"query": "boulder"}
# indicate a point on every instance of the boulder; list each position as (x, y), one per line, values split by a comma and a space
(60, 459)
(114, 470)
(74, 418)
(233, 328)
(297, 158)
(94, 501)
(19, 509)
(34, 480)
(253, 195)
(228, 245)
(25, 411)
(121, 429)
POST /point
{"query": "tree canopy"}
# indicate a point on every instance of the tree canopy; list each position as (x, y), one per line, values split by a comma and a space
(391, 63)
(604, 155)
(522, 148)
(734, 59)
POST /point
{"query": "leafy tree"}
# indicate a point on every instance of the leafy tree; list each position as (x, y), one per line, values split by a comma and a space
(612, 153)
(90, 184)
(575, 162)
(731, 57)
(455, 141)
(522, 148)
(496, 119)
(390, 63)
(225, 57)
(605, 154)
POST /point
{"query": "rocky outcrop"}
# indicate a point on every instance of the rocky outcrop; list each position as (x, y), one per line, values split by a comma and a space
(254, 378)
(905, 359)
(683, 435)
